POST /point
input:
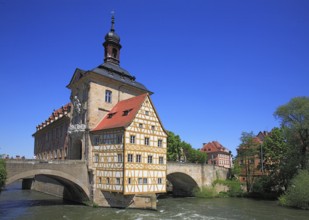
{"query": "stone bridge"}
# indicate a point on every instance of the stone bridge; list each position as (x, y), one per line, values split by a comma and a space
(67, 179)
(185, 177)
(70, 179)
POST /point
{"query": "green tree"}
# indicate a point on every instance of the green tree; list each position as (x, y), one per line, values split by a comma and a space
(247, 151)
(236, 169)
(2, 174)
(294, 118)
(297, 194)
(194, 155)
(276, 161)
(174, 146)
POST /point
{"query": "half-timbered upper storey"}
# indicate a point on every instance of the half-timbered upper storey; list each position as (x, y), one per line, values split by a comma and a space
(129, 149)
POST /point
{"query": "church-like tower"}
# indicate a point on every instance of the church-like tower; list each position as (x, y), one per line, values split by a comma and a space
(112, 45)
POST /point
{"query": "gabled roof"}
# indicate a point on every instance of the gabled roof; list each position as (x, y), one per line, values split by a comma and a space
(78, 74)
(214, 146)
(111, 71)
(122, 114)
(117, 73)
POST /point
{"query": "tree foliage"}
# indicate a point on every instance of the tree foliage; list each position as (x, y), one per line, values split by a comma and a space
(173, 146)
(297, 194)
(176, 147)
(294, 117)
(2, 174)
(247, 151)
(276, 161)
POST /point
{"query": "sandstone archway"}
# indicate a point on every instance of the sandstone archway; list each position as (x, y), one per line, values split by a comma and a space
(73, 188)
(183, 184)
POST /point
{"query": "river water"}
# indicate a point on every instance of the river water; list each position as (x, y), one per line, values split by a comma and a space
(26, 204)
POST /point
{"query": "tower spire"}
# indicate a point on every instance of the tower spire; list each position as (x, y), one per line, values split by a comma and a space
(113, 21)
(112, 45)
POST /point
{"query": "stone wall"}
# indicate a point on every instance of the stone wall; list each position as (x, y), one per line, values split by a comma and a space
(110, 199)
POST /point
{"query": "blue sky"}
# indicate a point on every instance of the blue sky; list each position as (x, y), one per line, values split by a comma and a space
(216, 67)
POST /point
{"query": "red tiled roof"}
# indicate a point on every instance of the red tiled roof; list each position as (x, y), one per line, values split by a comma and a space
(117, 118)
(57, 114)
(214, 146)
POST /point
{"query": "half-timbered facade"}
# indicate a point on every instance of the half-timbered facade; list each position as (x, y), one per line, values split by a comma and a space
(129, 151)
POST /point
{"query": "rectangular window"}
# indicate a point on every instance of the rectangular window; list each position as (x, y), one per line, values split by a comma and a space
(107, 181)
(100, 180)
(159, 180)
(140, 180)
(159, 143)
(96, 140)
(119, 158)
(108, 96)
(153, 127)
(144, 180)
(140, 125)
(118, 181)
(129, 180)
(130, 157)
(161, 160)
(119, 139)
(146, 112)
(138, 158)
(149, 159)
(132, 139)
(96, 158)
(147, 141)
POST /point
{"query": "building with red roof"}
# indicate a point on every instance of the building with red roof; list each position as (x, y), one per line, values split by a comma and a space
(217, 154)
(50, 138)
(112, 125)
(249, 159)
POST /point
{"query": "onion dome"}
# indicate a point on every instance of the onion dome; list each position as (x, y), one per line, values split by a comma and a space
(112, 46)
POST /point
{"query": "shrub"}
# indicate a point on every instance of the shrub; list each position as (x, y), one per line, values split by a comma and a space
(2, 173)
(206, 192)
(297, 194)
(234, 186)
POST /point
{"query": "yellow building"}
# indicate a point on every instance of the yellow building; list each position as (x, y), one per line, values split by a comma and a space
(112, 124)
(129, 149)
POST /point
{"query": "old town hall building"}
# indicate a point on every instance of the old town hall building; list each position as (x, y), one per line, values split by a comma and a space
(112, 124)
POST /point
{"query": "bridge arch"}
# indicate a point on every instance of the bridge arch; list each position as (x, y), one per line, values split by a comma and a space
(74, 189)
(183, 184)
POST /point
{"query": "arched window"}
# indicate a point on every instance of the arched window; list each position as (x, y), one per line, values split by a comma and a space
(108, 96)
